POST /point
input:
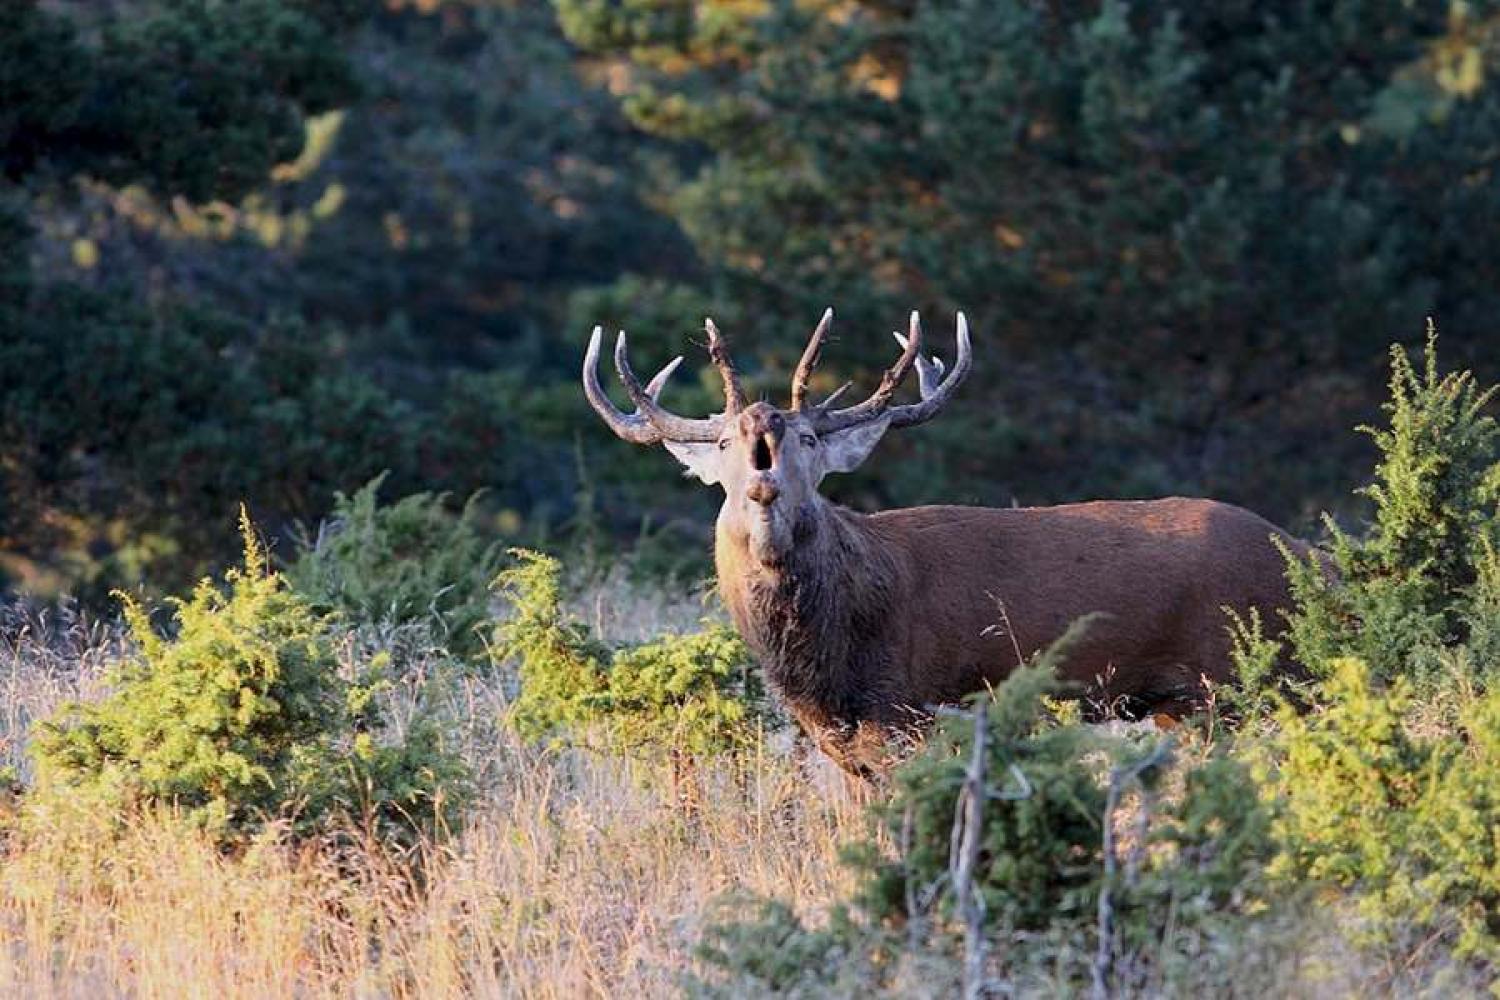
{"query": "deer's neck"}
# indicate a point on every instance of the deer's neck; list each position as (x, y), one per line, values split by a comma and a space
(816, 619)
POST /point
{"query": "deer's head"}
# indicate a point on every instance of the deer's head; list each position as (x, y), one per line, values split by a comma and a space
(770, 461)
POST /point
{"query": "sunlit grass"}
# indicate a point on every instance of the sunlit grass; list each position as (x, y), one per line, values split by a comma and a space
(577, 874)
(581, 881)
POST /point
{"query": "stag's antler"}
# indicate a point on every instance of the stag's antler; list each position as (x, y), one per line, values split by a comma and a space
(935, 393)
(718, 353)
(810, 355)
(929, 369)
(652, 423)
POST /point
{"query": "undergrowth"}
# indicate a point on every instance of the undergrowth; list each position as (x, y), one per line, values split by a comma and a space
(696, 693)
(242, 716)
(409, 561)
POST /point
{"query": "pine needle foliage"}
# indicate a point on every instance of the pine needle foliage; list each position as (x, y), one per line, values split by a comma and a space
(1039, 843)
(698, 693)
(244, 715)
(410, 561)
(1407, 815)
(1423, 578)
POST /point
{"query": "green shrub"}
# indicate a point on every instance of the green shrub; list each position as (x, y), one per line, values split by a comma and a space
(1197, 840)
(1423, 578)
(1385, 780)
(244, 714)
(1040, 845)
(404, 562)
(760, 947)
(697, 693)
(1370, 793)
(1259, 679)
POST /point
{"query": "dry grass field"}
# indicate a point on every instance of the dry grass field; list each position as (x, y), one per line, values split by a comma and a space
(577, 875)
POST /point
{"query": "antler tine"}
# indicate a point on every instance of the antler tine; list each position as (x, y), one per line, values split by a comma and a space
(633, 427)
(934, 397)
(833, 397)
(810, 356)
(659, 382)
(929, 368)
(873, 407)
(718, 353)
(666, 425)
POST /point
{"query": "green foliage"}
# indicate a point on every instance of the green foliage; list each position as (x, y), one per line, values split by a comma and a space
(194, 97)
(202, 97)
(386, 301)
(1367, 796)
(447, 235)
(42, 74)
(1384, 783)
(1423, 578)
(1257, 663)
(243, 715)
(1199, 840)
(761, 947)
(409, 561)
(1040, 844)
(1042, 829)
(698, 693)
(169, 416)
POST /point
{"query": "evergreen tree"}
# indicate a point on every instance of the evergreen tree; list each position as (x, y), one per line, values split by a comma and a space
(1180, 228)
(263, 251)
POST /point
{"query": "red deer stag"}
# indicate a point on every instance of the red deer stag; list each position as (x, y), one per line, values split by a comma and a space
(863, 621)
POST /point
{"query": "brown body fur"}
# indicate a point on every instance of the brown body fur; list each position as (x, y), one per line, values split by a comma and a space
(874, 618)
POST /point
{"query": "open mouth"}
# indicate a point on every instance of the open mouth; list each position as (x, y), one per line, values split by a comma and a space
(762, 456)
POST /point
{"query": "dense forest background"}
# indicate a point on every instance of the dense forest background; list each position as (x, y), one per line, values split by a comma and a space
(265, 250)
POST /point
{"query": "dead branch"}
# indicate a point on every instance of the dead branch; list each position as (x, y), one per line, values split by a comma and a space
(1119, 779)
(963, 855)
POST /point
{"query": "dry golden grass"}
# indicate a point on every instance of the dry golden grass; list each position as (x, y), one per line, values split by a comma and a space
(582, 879)
(576, 874)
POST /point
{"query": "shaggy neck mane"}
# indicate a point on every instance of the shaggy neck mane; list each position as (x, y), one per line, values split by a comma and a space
(809, 619)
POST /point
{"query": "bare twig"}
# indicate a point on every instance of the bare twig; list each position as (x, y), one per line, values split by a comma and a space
(1119, 779)
(913, 915)
(963, 855)
(1005, 628)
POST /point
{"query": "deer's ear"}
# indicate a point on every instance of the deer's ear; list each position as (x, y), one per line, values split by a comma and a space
(844, 450)
(702, 459)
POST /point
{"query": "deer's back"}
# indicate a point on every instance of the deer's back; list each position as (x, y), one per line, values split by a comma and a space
(993, 585)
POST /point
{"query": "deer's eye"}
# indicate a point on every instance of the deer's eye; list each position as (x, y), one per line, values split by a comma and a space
(809, 441)
(723, 444)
